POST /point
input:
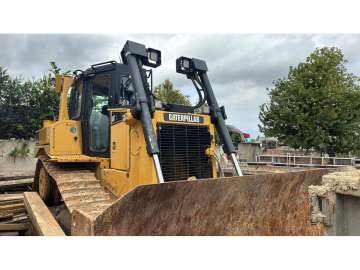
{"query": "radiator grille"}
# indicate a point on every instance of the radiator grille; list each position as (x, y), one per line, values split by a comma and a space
(182, 151)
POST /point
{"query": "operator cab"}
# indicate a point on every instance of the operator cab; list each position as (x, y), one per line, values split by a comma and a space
(104, 86)
(97, 89)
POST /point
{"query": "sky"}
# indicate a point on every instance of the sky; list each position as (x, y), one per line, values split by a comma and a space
(241, 66)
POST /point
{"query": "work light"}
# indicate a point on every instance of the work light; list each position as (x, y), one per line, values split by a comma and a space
(184, 65)
(154, 57)
(190, 66)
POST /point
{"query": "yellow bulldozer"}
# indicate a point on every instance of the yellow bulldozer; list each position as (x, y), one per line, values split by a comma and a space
(118, 161)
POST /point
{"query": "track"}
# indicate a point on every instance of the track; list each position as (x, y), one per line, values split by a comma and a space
(79, 188)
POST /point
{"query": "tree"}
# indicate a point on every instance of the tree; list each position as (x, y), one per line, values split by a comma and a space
(316, 107)
(167, 93)
(24, 104)
(236, 138)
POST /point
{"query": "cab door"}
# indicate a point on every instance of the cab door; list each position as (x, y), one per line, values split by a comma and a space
(95, 121)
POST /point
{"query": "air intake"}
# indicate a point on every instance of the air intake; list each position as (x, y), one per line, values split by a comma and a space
(182, 151)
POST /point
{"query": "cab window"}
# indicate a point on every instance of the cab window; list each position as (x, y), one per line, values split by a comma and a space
(76, 94)
(99, 123)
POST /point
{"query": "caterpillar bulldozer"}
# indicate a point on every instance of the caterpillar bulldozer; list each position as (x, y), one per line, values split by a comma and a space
(118, 161)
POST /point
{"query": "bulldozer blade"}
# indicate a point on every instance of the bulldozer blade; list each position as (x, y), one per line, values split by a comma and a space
(269, 204)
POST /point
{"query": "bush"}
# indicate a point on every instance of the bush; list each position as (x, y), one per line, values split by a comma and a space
(24, 104)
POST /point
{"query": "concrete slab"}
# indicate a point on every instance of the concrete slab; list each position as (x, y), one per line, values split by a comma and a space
(336, 202)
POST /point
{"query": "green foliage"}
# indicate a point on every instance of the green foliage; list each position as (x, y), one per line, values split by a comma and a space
(24, 104)
(20, 150)
(167, 93)
(316, 107)
(236, 138)
(54, 69)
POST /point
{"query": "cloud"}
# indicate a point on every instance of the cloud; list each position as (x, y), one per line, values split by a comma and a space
(241, 67)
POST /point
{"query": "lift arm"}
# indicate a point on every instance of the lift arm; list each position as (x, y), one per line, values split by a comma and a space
(196, 70)
(135, 55)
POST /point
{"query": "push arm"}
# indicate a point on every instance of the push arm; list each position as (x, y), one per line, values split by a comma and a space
(196, 69)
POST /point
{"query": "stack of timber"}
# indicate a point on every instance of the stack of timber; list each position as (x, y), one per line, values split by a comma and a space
(14, 219)
(10, 184)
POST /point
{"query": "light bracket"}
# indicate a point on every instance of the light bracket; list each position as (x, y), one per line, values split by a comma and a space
(190, 66)
(149, 57)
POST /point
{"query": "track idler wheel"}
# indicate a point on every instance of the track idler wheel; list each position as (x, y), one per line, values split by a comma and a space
(46, 187)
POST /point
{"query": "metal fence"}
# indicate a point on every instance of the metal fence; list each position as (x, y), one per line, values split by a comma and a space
(311, 161)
